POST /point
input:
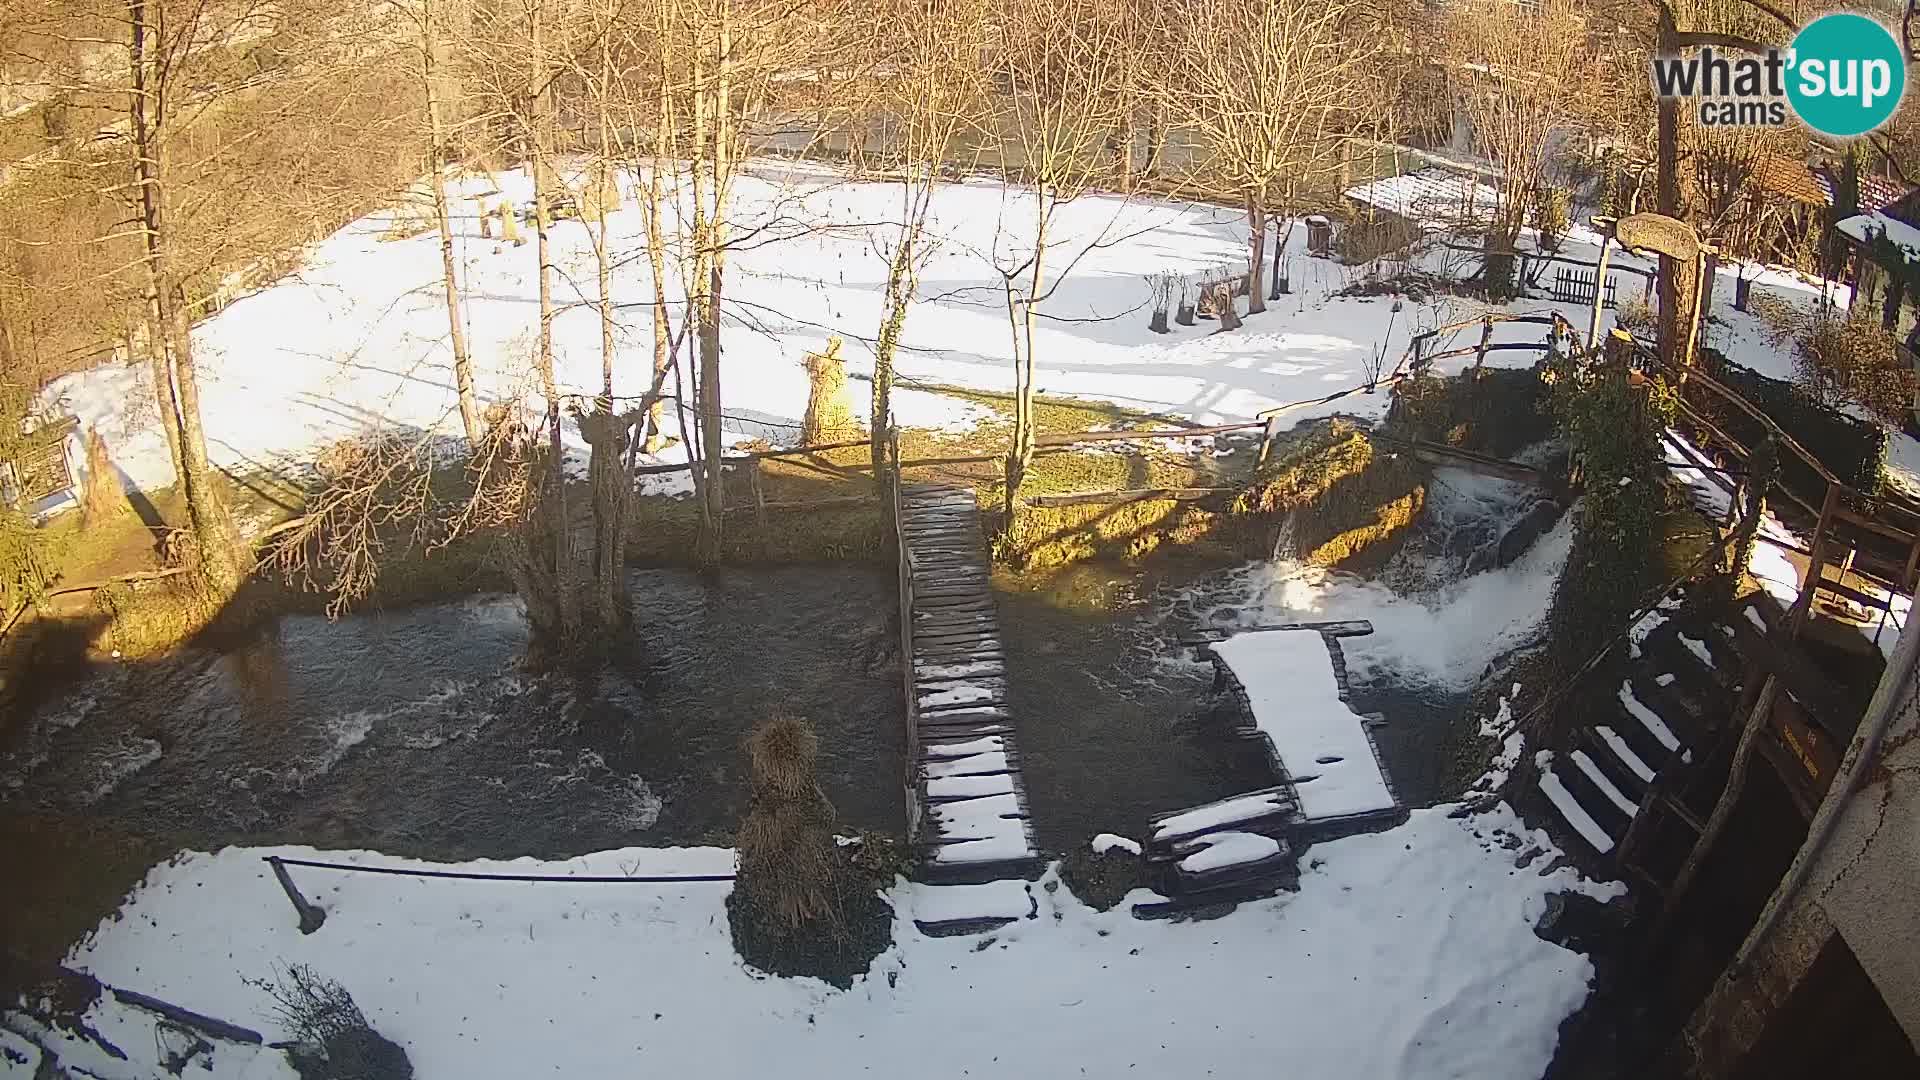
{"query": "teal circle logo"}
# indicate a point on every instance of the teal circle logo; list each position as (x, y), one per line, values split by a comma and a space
(1845, 75)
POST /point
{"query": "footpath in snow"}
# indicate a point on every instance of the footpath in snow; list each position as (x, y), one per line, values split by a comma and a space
(1409, 953)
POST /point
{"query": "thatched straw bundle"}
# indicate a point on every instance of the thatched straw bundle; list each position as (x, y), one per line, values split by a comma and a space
(789, 863)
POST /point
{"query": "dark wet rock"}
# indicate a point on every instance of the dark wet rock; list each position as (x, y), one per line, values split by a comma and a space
(359, 1053)
(1579, 922)
(1518, 538)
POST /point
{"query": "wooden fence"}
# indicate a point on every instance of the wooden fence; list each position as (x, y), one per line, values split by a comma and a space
(1579, 287)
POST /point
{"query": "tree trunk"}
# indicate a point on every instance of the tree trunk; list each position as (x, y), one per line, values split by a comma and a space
(1022, 317)
(721, 108)
(1678, 278)
(612, 477)
(437, 163)
(1256, 251)
(219, 549)
(702, 452)
(1123, 148)
(554, 506)
(893, 321)
(1156, 140)
(1281, 286)
(163, 392)
(657, 262)
(1499, 248)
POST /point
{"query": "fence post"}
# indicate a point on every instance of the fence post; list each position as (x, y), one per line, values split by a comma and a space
(1486, 339)
(311, 916)
(1802, 608)
(1599, 278)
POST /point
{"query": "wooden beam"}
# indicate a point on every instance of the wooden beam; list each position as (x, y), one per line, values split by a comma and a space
(1443, 455)
(1722, 812)
(1131, 495)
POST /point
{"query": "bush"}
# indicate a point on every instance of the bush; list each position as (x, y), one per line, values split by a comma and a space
(1853, 448)
(1614, 427)
(799, 906)
(1497, 411)
(1844, 359)
(1552, 213)
(1636, 317)
(1373, 237)
(331, 1039)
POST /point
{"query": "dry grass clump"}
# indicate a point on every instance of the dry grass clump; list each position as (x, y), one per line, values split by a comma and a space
(788, 860)
(800, 904)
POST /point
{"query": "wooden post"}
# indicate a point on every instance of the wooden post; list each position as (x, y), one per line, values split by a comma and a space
(759, 496)
(311, 916)
(1600, 278)
(1722, 811)
(1709, 270)
(1272, 431)
(1685, 361)
(1486, 339)
(1816, 560)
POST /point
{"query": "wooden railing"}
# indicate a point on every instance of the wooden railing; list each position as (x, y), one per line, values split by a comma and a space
(1838, 512)
(910, 777)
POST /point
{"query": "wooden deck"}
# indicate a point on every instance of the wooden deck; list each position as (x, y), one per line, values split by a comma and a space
(966, 798)
(1244, 868)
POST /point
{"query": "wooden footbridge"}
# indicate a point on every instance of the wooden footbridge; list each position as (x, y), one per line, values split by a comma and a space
(966, 800)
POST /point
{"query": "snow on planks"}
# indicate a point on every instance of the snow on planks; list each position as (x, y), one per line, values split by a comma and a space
(1294, 688)
(970, 801)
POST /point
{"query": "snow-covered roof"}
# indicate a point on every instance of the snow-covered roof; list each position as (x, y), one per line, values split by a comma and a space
(1864, 227)
(1434, 196)
(1295, 697)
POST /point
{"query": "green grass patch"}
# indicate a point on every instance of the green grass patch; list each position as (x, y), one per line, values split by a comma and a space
(1053, 413)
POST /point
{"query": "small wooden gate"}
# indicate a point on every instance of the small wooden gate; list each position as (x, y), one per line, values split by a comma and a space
(40, 468)
(1578, 286)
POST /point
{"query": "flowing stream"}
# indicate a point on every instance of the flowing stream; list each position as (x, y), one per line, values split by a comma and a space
(417, 733)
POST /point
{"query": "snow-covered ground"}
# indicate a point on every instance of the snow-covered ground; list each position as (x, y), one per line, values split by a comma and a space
(356, 339)
(1405, 954)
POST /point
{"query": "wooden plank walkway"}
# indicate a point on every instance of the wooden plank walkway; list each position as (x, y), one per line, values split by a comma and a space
(1244, 847)
(966, 798)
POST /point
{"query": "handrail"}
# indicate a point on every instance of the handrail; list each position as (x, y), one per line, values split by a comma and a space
(911, 690)
(1833, 511)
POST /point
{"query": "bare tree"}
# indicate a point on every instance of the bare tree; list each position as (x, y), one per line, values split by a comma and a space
(171, 189)
(430, 17)
(1058, 67)
(1274, 87)
(155, 52)
(931, 94)
(1520, 72)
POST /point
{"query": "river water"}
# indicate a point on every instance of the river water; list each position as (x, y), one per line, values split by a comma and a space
(417, 732)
